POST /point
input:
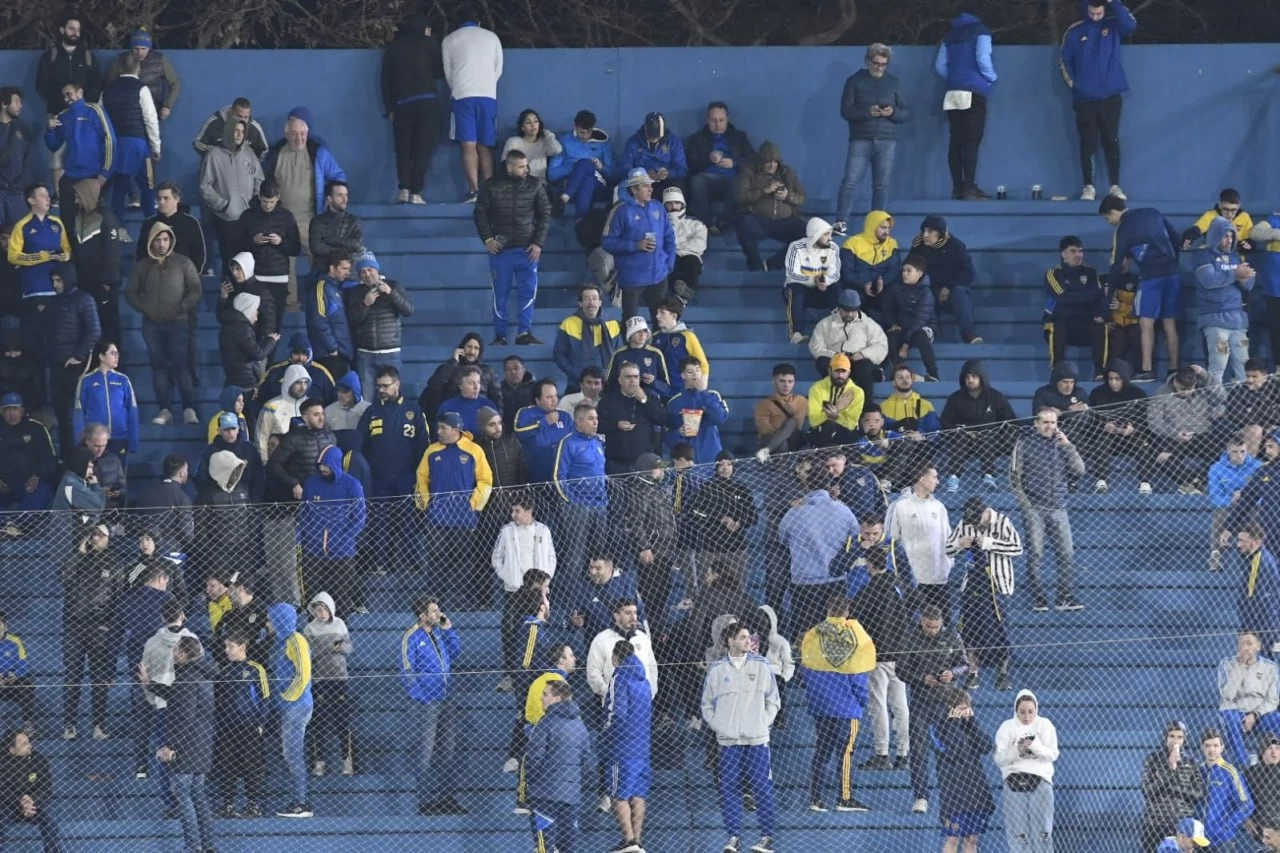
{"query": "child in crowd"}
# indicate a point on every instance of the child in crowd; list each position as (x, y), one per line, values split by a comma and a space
(1227, 479)
(677, 342)
(911, 315)
(648, 359)
(241, 707)
(691, 243)
(962, 782)
(16, 683)
(330, 647)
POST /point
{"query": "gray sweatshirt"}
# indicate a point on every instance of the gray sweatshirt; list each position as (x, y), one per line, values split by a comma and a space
(740, 700)
(1248, 688)
(330, 643)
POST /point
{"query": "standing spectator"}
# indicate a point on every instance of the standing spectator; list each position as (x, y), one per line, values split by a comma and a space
(331, 517)
(211, 131)
(556, 759)
(1094, 72)
(658, 151)
(951, 272)
(95, 256)
(21, 372)
(1042, 462)
(987, 542)
(519, 389)
(67, 61)
(16, 682)
(38, 244)
(188, 235)
(26, 790)
(909, 310)
(136, 121)
(1026, 748)
(696, 413)
(1181, 421)
(269, 231)
(578, 474)
(835, 405)
(585, 338)
(1119, 405)
(880, 607)
(1223, 285)
(537, 142)
(918, 522)
(769, 197)
(293, 460)
(1145, 237)
(1172, 787)
(523, 544)
(230, 177)
(650, 524)
(394, 436)
(591, 388)
(869, 262)
(962, 783)
(279, 411)
(626, 742)
(639, 235)
(873, 105)
(411, 70)
(335, 231)
(512, 215)
(164, 288)
(592, 610)
(291, 677)
(627, 627)
(17, 171)
(815, 531)
(964, 62)
(1227, 479)
(376, 309)
(1227, 804)
(540, 428)
(723, 512)
(241, 349)
(812, 278)
(443, 383)
(84, 134)
(716, 153)
(691, 244)
(156, 657)
(1247, 697)
(932, 661)
(247, 616)
(975, 418)
(469, 402)
(472, 59)
(331, 646)
(226, 531)
(427, 653)
(1075, 310)
(630, 419)
(328, 330)
(343, 415)
(241, 707)
(155, 71)
(506, 460)
(584, 169)
(91, 582)
(1259, 600)
(739, 704)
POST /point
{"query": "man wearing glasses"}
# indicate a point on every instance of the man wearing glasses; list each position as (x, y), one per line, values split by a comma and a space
(394, 437)
(873, 106)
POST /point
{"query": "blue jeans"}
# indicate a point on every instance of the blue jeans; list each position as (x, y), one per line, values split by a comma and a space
(751, 762)
(1037, 522)
(435, 727)
(194, 810)
(584, 186)
(960, 303)
(1237, 352)
(1232, 727)
(876, 153)
(168, 348)
(293, 736)
(366, 367)
(511, 264)
(706, 188)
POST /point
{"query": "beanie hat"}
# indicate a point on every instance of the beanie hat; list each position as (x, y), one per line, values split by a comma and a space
(636, 324)
(934, 223)
(246, 302)
(484, 415)
(302, 114)
(673, 194)
(366, 261)
(140, 38)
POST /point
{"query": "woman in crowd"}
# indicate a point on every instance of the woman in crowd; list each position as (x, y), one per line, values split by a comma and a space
(537, 143)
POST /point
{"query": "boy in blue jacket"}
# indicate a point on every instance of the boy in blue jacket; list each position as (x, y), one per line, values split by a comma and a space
(627, 744)
(558, 756)
(291, 679)
(328, 331)
(241, 707)
(695, 414)
(1094, 72)
(1227, 479)
(1227, 803)
(909, 312)
(1223, 282)
(331, 517)
(648, 359)
(584, 168)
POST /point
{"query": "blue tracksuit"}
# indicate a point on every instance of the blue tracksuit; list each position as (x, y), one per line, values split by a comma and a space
(394, 438)
(1266, 260)
(579, 470)
(574, 149)
(13, 656)
(90, 141)
(290, 659)
(327, 328)
(540, 440)
(31, 243)
(1091, 62)
(108, 398)
(425, 665)
(964, 57)
(332, 512)
(667, 153)
(706, 444)
(649, 360)
(1226, 479)
(626, 226)
(1227, 803)
(469, 410)
(244, 695)
(533, 651)
(1220, 296)
(1150, 239)
(1074, 295)
(596, 604)
(630, 714)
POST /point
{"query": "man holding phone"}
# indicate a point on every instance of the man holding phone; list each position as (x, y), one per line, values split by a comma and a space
(427, 653)
(873, 105)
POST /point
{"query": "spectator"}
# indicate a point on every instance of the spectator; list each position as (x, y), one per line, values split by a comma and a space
(293, 460)
(188, 235)
(869, 262)
(1227, 479)
(1119, 405)
(584, 169)
(950, 271)
(322, 381)
(412, 67)
(230, 177)
(814, 531)
(626, 626)
(1172, 787)
(166, 508)
(506, 460)
(1181, 421)
(909, 310)
(932, 660)
(28, 463)
(987, 542)
(579, 477)
(1263, 781)
(512, 216)
(1223, 284)
(331, 643)
(876, 445)
(1253, 406)
(769, 196)
(591, 385)
(538, 144)
(540, 428)
(658, 151)
(691, 244)
(241, 109)
(18, 170)
(94, 268)
(1247, 697)
(427, 653)
(557, 757)
(38, 243)
(21, 372)
(723, 513)
(241, 706)
(241, 349)
(188, 737)
(812, 278)
(132, 111)
(716, 154)
(696, 413)
(739, 704)
(291, 677)
(1145, 236)
(67, 61)
(108, 465)
(469, 401)
(835, 404)
(630, 419)
(975, 419)
(443, 383)
(16, 683)
(1075, 311)
(593, 608)
(226, 531)
(626, 742)
(472, 58)
(1227, 804)
(849, 331)
(331, 517)
(918, 522)
(84, 135)
(1094, 72)
(643, 243)
(780, 417)
(880, 607)
(91, 583)
(344, 414)
(1026, 748)
(278, 412)
(964, 62)
(155, 656)
(394, 437)
(376, 309)
(650, 526)
(1189, 835)
(247, 616)
(328, 330)
(962, 783)
(523, 544)
(26, 784)
(155, 70)
(873, 105)
(1259, 600)
(650, 360)
(269, 231)
(1229, 208)
(585, 338)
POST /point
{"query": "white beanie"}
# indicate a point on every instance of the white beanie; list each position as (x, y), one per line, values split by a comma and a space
(673, 194)
(636, 324)
(246, 303)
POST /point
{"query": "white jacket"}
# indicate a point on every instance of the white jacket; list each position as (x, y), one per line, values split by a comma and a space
(279, 412)
(806, 260)
(862, 334)
(1044, 749)
(740, 700)
(472, 62)
(691, 234)
(922, 528)
(157, 655)
(520, 548)
(600, 660)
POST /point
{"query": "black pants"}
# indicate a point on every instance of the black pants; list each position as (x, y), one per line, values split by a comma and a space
(1103, 447)
(1126, 342)
(338, 576)
(1059, 335)
(689, 270)
(416, 128)
(331, 720)
(23, 692)
(926, 711)
(81, 643)
(651, 296)
(109, 314)
(63, 391)
(922, 340)
(653, 582)
(512, 619)
(238, 755)
(1273, 327)
(1099, 121)
(967, 129)
(1189, 461)
(962, 445)
(865, 375)
(229, 243)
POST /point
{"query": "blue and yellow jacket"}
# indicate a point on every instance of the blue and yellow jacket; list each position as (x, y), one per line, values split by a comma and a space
(534, 710)
(1091, 62)
(677, 345)
(1074, 295)
(715, 411)
(540, 440)
(33, 243)
(108, 399)
(910, 413)
(1260, 596)
(836, 655)
(573, 149)
(291, 658)
(90, 139)
(1242, 222)
(243, 695)
(327, 327)
(227, 402)
(628, 222)
(1151, 240)
(13, 656)
(1227, 803)
(629, 704)
(579, 470)
(454, 482)
(581, 344)
(650, 360)
(863, 258)
(332, 513)
(1265, 258)
(871, 454)
(1226, 479)
(426, 661)
(533, 652)
(394, 436)
(323, 385)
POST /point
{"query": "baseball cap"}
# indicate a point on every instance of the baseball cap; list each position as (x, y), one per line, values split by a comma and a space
(228, 420)
(649, 461)
(452, 419)
(1193, 829)
(13, 398)
(840, 361)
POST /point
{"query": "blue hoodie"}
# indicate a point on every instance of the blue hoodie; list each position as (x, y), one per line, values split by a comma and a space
(629, 703)
(964, 57)
(1150, 239)
(816, 532)
(667, 153)
(290, 659)
(332, 512)
(425, 664)
(1220, 296)
(573, 149)
(227, 403)
(1091, 62)
(1226, 479)
(628, 222)
(327, 328)
(1259, 602)
(558, 755)
(715, 411)
(1266, 257)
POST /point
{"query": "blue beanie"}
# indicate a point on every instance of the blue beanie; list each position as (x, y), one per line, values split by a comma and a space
(303, 114)
(366, 261)
(140, 38)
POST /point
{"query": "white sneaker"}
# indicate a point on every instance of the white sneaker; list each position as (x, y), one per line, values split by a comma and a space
(99, 733)
(417, 199)
(504, 685)
(318, 769)
(69, 733)
(920, 806)
(1101, 487)
(606, 805)
(163, 418)
(1088, 193)
(402, 197)
(511, 765)
(1144, 488)
(762, 455)
(797, 338)
(189, 417)
(1117, 192)
(348, 767)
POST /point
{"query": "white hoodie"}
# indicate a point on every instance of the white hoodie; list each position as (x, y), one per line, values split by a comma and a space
(691, 234)
(157, 656)
(780, 657)
(1043, 749)
(921, 526)
(806, 260)
(279, 412)
(600, 660)
(520, 548)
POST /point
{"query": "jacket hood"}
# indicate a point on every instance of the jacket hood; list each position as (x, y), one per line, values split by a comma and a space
(77, 460)
(1026, 694)
(769, 150)
(815, 228)
(351, 381)
(90, 193)
(227, 399)
(168, 640)
(873, 221)
(228, 140)
(773, 618)
(1062, 370)
(1218, 229)
(293, 373)
(976, 367)
(630, 669)
(934, 222)
(300, 343)
(245, 260)
(332, 457)
(226, 469)
(597, 135)
(67, 272)
(568, 710)
(284, 618)
(156, 230)
(674, 194)
(323, 598)
(1120, 367)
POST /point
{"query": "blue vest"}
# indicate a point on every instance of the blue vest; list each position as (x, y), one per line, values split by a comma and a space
(121, 101)
(962, 59)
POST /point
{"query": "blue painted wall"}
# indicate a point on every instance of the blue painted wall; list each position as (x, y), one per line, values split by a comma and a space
(1198, 118)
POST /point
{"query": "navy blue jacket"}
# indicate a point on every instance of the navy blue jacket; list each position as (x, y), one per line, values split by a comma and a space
(394, 436)
(244, 694)
(558, 755)
(1091, 62)
(137, 619)
(596, 603)
(950, 264)
(630, 707)
(910, 307)
(1074, 294)
(189, 717)
(1151, 240)
(962, 782)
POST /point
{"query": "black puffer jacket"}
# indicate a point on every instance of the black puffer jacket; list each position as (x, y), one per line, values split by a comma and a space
(412, 64)
(24, 373)
(718, 499)
(517, 209)
(333, 233)
(443, 384)
(270, 260)
(242, 351)
(650, 521)
(377, 327)
(294, 460)
(75, 326)
(506, 460)
(95, 253)
(698, 147)
(91, 581)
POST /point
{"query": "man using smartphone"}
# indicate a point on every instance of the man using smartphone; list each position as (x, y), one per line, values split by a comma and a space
(428, 651)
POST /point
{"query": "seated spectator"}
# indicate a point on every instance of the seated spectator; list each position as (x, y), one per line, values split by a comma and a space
(26, 790)
(16, 683)
(230, 175)
(691, 244)
(1180, 418)
(1064, 396)
(469, 401)
(950, 271)
(331, 646)
(658, 151)
(538, 144)
(631, 419)
(716, 154)
(911, 317)
(1253, 406)
(677, 342)
(649, 359)
(519, 388)
(1124, 332)
(848, 330)
(1230, 208)
(323, 384)
(975, 419)
(335, 231)
(870, 263)
(696, 413)
(1223, 282)
(242, 704)
(1263, 780)
(540, 428)
(835, 405)
(907, 412)
(591, 383)
(270, 233)
(769, 197)
(345, 412)
(1247, 696)
(1118, 404)
(377, 309)
(639, 235)
(28, 463)
(584, 169)
(240, 347)
(780, 417)
(585, 338)
(278, 412)
(1075, 311)
(1227, 802)
(812, 276)
(876, 445)
(1227, 479)
(108, 464)
(983, 544)
(328, 330)
(443, 383)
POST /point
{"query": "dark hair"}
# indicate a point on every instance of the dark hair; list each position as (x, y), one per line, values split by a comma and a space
(173, 463)
(238, 638)
(717, 105)
(1070, 242)
(672, 304)
(838, 605)
(72, 14)
(242, 102)
(1098, 4)
(917, 261)
(590, 372)
(784, 368)
(309, 404)
(622, 603)
(533, 578)
(269, 189)
(129, 64)
(683, 450)
(30, 190)
(422, 602)
(524, 114)
(957, 698)
(513, 357)
(173, 187)
(585, 119)
(172, 610)
(337, 258)
(525, 500)
(1110, 204)
(7, 93)
(542, 383)
(156, 571)
(932, 612)
(556, 651)
(529, 602)
(622, 650)
(331, 185)
(582, 291)
(515, 154)
(560, 689)
(602, 556)
(467, 370)
(1252, 529)
(1236, 439)
(689, 361)
(1229, 195)
(872, 518)
(878, 559)
(870, 409)
(190, 648)
(731, 630)
(1255, 365)
(1184, 377)
(1210, 734)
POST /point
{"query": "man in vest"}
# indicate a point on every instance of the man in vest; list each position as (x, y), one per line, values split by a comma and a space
(133, 114)
(156, 73)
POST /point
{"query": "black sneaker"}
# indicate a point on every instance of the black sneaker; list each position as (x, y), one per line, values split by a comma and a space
(748, 803)
(1144, 376)
(1003, 682)
(971, 683)
(817, 806)
(526, 339)
(498, 341)
(626, 846)
(296, 810)
(1068, 602)
(1040, 605)
(929, 377)
(902, 762)
(852, 805)
(251, 810)
(876, 762)
(228, 811)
